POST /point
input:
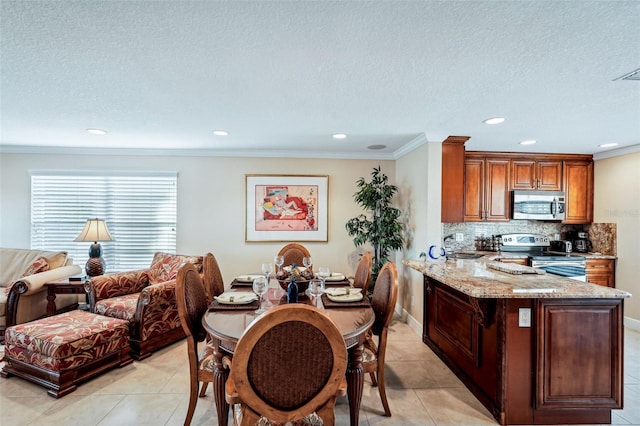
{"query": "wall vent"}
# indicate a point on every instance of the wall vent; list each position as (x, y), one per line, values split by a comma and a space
(633, 75)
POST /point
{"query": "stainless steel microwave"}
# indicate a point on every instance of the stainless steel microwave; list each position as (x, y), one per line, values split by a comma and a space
(538, 205)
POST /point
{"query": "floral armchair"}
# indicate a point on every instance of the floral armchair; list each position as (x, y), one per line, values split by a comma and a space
(146, 298)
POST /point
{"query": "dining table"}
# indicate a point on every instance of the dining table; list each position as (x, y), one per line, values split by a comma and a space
(226, 326)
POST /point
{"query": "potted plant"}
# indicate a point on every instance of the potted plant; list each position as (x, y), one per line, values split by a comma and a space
(381, 225)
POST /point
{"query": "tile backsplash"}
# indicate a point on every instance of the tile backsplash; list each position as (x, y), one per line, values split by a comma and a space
(602, 235)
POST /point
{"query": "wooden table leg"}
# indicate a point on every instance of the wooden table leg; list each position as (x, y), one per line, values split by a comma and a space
(355, 383)
(219, 380)
(51, 301)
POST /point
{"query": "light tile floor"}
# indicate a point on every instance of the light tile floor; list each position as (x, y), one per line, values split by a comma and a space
(421, 391)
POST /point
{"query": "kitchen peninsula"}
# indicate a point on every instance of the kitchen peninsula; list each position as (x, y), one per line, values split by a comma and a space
(534, 348)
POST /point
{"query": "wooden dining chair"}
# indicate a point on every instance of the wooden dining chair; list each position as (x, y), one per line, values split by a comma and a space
(363, 272)
(289, 364)
(293, 253)
(192, 302)
(213, 281)
(383, 302)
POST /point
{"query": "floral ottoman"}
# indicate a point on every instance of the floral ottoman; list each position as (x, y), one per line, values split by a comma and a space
(60, 351)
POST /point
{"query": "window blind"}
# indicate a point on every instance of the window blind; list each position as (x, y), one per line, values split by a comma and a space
(138, 208)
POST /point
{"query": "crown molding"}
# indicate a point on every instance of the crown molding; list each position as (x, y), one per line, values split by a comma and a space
(617, 152)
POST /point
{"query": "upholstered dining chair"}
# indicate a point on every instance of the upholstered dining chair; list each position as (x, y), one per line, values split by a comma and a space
(383, 302)
(288, 364)
(363, 272)
(192, 302)
(293, 253)
(213, 281)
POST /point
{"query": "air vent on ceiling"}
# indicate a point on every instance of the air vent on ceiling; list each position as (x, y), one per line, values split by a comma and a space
(633, 75)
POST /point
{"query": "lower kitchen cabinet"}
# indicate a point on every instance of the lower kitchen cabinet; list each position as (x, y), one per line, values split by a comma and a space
(601, 272)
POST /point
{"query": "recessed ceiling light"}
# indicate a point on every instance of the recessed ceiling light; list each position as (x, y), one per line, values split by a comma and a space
(221, 133)
(339, 136)
(529, 142)
(377, 146)
(608, 145)
(494, 120)
(97, 131)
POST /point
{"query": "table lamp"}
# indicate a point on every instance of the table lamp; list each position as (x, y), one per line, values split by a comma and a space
(94, 230)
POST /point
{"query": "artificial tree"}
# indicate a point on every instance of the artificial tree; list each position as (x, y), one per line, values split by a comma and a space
(381, 225)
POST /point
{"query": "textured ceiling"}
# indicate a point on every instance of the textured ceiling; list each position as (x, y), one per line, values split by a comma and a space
(281, 77)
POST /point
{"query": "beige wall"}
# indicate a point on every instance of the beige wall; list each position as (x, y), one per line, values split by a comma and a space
(617, 200)
(211, 204)
(418, 176)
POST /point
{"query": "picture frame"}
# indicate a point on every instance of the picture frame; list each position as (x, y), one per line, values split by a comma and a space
(286, 208)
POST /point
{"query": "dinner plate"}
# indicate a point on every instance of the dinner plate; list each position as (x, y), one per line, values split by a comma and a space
(236, 298)
(248, 278)
(336, 276)
(351, 297)
(340, 291)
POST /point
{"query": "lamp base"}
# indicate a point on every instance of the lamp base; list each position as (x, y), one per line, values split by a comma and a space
(95, 266)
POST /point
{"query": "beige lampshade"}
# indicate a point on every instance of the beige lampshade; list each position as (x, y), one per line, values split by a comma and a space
(94, 230)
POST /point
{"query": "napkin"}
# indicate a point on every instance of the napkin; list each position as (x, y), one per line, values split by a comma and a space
(336, 276)
(236, 298)
(248, 278)
(338, 291)
(350, 297)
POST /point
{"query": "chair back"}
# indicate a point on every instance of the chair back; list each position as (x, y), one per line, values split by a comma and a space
(293, 253)
(213, 281)
(192, 302)
(363, 272)
(384, 298)
(289, 363)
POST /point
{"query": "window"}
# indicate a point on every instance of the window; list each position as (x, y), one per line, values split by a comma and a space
(139, 209)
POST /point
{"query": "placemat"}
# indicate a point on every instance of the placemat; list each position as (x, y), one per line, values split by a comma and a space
(328, 303)
(236, 283)
(216, 306)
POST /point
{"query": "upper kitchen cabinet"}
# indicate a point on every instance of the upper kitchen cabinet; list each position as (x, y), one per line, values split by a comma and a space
(486, 188)
(578, 191)
(534, 174)
(452, 205)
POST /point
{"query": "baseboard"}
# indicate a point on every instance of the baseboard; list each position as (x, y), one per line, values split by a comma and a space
(632, 323)
(411, 321)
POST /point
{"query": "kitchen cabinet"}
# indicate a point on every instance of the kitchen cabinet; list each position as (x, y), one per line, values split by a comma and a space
(486, 189)
(452, 203)
(601, 272)
(578, 191)
(531, 174)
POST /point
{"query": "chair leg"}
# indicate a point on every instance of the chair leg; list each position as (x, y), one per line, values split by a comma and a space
(327, 414)
(382, 391)
(374, 381)
(203, 389)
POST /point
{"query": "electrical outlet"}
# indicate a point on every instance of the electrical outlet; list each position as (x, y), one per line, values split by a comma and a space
(459, 236)
(524, 317)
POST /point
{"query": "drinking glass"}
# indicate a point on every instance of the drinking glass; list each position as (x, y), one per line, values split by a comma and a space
(279, 261)
(307, 261)
(260, 288)
(267, 269)
(323, 273)
(316, 288)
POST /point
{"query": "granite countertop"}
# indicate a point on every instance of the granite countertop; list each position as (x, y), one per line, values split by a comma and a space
(474, 278)
(496, 255)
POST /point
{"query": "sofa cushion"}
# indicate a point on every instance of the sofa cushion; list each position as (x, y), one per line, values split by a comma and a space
(164, 266)
(13, 262)
(122, 307)
(39, 265)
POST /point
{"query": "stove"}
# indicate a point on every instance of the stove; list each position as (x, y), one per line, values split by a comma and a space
(536, 247)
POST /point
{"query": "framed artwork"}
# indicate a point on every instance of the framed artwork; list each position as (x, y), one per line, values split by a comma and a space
(286, 208)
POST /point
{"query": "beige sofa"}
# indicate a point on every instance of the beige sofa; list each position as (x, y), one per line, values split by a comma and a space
(26, 300)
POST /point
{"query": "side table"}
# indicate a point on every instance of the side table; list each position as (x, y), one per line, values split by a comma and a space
(62, 287)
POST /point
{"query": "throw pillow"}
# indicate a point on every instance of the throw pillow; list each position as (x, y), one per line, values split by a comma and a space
(56, 260)
(165, 266)
(40, 265)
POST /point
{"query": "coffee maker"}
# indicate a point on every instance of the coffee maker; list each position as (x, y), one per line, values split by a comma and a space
(580, 241)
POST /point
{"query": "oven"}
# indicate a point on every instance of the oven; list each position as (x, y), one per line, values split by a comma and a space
(573, 267)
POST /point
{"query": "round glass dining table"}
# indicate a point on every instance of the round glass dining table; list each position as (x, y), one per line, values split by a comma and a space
(226, 326)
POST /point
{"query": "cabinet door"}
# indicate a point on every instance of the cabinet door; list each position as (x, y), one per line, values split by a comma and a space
(601, 272)
(473, 190)
(543, 175)
(497, 206)
(549, 175)
(578, 189)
